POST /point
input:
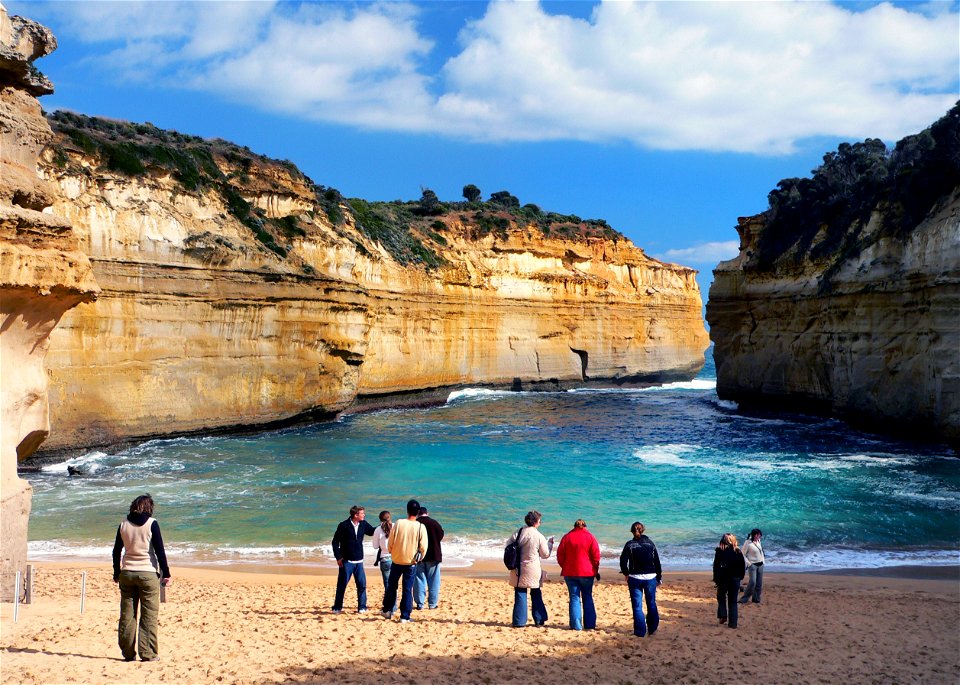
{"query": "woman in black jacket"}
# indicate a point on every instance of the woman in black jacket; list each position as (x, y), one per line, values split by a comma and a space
(640, 565)
(728, 570)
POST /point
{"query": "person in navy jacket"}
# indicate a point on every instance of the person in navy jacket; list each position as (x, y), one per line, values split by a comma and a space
(348, 551)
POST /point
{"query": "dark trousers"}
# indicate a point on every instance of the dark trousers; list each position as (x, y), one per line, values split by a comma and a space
(727, 592)
(348, 570)
(139, 594)
(398, 571)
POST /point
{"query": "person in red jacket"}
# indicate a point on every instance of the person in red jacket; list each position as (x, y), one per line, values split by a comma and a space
(579, 558)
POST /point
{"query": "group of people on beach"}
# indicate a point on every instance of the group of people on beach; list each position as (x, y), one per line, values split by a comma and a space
(409, 555)
(409, 552)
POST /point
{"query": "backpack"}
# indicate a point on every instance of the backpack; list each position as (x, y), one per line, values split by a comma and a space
(511, 553)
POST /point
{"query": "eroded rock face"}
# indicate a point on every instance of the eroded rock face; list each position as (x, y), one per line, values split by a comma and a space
(879, 346)
(208, 321)
(42, 275)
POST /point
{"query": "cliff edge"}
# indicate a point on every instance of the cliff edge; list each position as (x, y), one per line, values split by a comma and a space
(845, 296)
(42, 275)
(238, 292)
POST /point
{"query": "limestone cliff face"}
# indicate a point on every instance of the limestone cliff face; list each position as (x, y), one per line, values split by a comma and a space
(868, 330)
(42, 275)
(241, 293)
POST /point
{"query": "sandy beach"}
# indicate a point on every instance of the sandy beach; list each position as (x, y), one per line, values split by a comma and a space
(240, 627)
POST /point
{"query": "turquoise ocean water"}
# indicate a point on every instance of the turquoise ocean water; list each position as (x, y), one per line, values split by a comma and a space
(688, 465)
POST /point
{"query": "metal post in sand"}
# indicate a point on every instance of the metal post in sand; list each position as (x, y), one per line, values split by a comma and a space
(16, 599)
(28, 594)
(83, 590)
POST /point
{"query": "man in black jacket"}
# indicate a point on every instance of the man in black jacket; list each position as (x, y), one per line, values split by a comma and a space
(348, 551)
(427, 585)
(640, 564)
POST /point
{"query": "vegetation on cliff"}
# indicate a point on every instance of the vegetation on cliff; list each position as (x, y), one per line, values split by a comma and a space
(822, 219)
(412, 232)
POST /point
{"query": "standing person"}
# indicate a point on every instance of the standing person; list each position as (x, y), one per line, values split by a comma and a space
(140, 572)
(640, 564)
(407, 545)
(753, 554)
(529, 574)
(728, 570)
(381, 537)
(348, 551)
(579, 559)
(428, 570)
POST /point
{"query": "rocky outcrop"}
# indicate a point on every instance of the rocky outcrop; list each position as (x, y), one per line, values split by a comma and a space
(856, 315)
(236, 291)
(42, 275)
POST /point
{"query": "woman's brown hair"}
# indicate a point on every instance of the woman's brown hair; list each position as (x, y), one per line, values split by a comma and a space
(142, 505)
(386, 525)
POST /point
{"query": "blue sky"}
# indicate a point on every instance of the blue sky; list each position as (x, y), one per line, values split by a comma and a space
(667, 119)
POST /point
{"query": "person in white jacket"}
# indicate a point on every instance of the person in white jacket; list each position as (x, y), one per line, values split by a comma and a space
(753, 554)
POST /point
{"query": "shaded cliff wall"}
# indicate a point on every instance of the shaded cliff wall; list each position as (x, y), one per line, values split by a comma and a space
(868, 329)
(240, 293)
(42, 275)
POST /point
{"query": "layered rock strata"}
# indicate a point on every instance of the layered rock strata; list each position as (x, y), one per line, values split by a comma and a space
(868, 330)
(243, 294)
(42, 275)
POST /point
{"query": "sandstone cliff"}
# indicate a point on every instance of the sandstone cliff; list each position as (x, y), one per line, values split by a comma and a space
(845, 297)
(42, 275)
(236, 291)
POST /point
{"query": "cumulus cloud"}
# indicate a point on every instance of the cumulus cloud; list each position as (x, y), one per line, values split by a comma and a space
(745, 77)
(704, 253)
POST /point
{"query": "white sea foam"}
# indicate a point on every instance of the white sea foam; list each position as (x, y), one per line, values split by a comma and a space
(477, 393)
(692, 456)
(879, 459)
(87, 463)
(695, 384)
(667, 455)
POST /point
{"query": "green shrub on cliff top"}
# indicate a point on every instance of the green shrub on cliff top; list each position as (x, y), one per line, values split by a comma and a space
(409, 231)
(835, 204)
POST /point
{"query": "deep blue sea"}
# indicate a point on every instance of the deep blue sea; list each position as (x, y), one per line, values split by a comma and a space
(686, 464)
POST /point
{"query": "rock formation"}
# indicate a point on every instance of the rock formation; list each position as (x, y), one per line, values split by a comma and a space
(845, 297)
(238, 292)
(42, 275)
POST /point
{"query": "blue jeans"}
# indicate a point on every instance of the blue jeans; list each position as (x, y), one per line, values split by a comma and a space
(385, 566)
(343, 577)
(428, 583)
(520, 606)
(640, 590)
(581, 592)
(754, 584)
(398, 571)
(727, 592)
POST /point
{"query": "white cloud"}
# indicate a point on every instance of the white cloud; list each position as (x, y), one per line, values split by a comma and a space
(749, 77)
(704, 253)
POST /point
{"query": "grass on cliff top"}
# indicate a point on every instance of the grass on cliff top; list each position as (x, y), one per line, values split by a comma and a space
(412, 232)
(821, 219)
